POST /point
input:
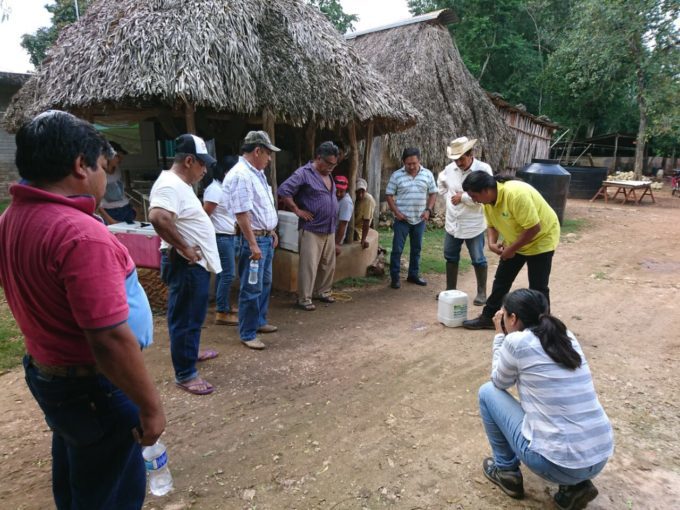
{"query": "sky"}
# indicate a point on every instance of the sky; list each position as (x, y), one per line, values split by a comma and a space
(26, 16)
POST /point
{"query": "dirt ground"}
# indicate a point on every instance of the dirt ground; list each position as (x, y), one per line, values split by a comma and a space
(371, 403)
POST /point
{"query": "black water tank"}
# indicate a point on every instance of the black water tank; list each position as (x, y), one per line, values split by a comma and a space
(585, 180)
(551, 181)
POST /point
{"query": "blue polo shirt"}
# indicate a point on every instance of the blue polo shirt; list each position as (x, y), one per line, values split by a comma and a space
(410, 193)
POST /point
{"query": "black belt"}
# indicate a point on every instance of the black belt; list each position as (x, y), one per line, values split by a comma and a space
(225, 235)
(263, 233)
(64, 370)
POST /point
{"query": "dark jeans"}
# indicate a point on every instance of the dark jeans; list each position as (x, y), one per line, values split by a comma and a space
(188, 288)
(96, 463)
(538, 267)
(253, 298)
(126, 213)
(415, 233)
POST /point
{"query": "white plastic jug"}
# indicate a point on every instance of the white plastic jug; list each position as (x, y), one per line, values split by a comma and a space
(452, 308)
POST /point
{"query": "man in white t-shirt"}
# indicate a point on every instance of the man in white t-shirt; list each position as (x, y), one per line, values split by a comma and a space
(345, 210)
(464, 217)
(188, 256)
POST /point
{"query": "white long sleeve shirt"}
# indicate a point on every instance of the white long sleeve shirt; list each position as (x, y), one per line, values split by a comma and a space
(465, 220)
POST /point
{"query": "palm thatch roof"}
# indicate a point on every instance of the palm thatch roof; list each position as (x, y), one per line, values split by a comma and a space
(242, 57)
(422, 60)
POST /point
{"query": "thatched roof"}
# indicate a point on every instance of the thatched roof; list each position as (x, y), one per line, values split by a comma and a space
(422, 60)
(232, 56)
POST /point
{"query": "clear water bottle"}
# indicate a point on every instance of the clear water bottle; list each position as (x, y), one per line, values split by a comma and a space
(252, 274)
(156, 461)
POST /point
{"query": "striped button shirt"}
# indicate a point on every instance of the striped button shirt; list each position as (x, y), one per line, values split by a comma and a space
(563, 421)
(245, 189)
(308, 189)
(410, 193)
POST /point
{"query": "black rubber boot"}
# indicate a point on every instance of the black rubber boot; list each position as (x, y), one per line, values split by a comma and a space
(451, 275)
(480, 275)
(481, 322)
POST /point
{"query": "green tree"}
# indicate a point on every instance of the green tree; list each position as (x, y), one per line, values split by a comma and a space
(618, 46)
(502, 43)
(334, 12)
(63, 14)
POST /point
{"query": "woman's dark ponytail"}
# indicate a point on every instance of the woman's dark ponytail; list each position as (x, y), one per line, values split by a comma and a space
(531, 307)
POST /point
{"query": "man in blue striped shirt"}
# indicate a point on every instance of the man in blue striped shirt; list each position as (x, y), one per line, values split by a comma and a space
(410, 194)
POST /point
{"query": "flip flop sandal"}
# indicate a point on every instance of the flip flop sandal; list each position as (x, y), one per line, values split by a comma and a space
(206, 355)
(197, 387)
(326, 299)
(309, 307)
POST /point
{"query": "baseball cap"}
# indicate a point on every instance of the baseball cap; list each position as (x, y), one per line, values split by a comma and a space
(118, 148)
(194, 145)
(362, 184)
(260, 138)
(341, 182)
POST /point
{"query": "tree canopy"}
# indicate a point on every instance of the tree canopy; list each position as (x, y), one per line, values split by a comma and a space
(333, 10)
(592, 66)
(63, 14)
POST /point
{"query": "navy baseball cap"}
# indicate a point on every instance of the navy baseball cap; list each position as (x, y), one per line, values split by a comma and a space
(194, 145)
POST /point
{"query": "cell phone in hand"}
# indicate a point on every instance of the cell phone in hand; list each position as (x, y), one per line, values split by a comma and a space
(505, 331)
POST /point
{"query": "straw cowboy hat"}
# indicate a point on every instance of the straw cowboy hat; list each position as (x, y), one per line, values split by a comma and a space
(459, 146)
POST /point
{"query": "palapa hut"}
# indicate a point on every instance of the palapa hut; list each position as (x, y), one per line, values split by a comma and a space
(216, 68)
(419, 57)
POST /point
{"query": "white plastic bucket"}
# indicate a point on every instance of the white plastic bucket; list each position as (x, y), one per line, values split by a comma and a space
(452, 308)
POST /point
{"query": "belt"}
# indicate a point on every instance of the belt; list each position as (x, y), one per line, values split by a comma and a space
(224, 235)
(263, 233)
(65, 370)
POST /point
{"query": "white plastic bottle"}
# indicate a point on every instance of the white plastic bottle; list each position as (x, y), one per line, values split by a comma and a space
(156, 461)
(253, 273)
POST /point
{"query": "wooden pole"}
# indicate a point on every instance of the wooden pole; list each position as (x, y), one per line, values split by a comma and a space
(368, 143)
(616, 149)
(190, 118)
(353, 167)
(268, 121)
(310, 135)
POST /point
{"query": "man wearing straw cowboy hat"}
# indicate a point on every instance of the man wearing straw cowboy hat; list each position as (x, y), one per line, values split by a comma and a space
(464, 218)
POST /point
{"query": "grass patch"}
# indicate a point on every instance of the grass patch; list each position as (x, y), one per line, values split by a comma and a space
(11, 343)
(357, 282)
(3, 205)
(432, 254)
(573, 226)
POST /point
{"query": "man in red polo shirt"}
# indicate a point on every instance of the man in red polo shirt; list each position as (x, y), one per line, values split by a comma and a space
(74, 293)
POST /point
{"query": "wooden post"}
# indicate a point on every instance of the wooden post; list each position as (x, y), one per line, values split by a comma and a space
(368, 143)
(268, 122)
(353, 167)
(190, 118)
(310, 135)
(616, 150)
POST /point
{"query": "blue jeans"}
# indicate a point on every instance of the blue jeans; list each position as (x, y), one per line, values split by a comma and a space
(475, 246)
(502, 417)
(253, 298)
(96, 463)
(188, 288)
(415, 233)
(227, 246)
(126, 213)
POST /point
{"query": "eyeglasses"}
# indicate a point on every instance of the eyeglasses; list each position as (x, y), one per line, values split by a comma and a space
(330, 165)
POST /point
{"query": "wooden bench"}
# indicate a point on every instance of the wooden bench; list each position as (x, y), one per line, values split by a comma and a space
(626, 188)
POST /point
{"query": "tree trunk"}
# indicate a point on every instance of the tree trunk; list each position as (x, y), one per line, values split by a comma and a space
(642, 126)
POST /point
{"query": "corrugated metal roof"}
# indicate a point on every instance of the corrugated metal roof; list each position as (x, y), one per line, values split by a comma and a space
(444, 16)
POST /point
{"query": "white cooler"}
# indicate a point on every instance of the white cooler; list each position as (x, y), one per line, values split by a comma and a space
(288, 231)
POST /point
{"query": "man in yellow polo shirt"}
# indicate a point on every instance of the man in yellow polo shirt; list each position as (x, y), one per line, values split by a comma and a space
(530, 232)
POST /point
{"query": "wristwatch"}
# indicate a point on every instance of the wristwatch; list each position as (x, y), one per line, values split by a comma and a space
(429, 210)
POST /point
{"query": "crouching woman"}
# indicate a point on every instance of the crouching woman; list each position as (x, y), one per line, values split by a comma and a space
(558, 429)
